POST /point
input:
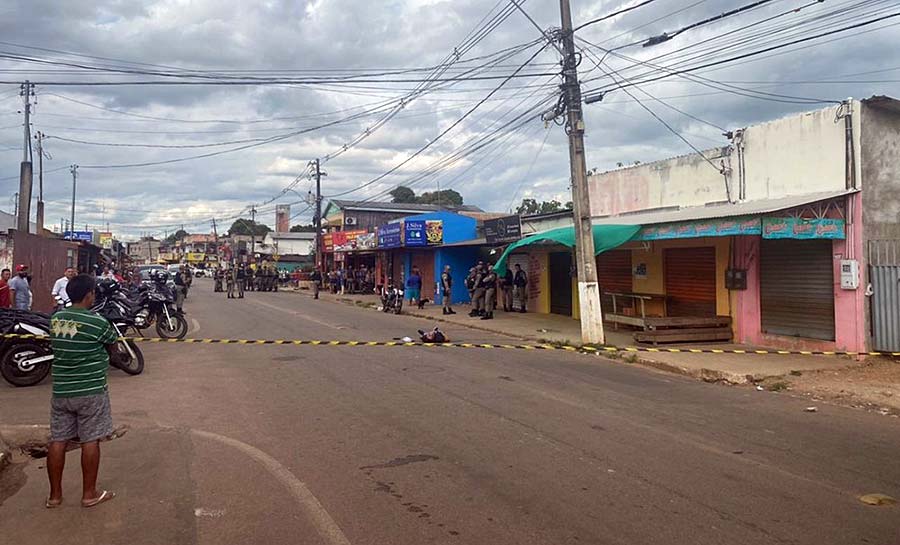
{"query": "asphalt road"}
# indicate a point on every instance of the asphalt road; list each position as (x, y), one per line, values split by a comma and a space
(378, 445)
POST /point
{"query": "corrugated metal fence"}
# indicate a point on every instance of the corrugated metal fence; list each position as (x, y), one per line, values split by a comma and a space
(884, 274)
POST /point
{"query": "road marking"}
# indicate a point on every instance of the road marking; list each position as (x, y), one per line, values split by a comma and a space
(295, 313)
(325, 525)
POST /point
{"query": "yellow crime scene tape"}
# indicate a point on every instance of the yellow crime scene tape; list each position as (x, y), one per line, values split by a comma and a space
(537, 346)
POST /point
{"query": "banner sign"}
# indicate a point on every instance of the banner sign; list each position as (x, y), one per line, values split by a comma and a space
(706, 228)
(414, 233)
(502, 230)
(434, 232)
(327, 243)
(389, 236)
(106, 240)
(799, 228)
(82, 236)
(349, 241)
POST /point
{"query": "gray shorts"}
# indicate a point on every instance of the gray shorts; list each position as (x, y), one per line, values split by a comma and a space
(84, 419)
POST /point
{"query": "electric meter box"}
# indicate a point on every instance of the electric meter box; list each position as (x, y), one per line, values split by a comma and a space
(849, 274)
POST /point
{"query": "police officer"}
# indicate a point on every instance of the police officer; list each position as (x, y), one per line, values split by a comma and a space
(447, 290)
(478, 295)
(520, 282)
(316, 279)
(240, 277)
(470, 287)
(506, 285)
(229, 282)
(489, 281)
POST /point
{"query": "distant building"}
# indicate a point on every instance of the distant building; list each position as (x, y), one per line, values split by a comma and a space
(282, 218)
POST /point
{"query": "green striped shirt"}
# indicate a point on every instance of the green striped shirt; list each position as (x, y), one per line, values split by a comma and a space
(79, 338)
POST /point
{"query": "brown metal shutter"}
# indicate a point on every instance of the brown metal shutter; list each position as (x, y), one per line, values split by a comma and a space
(797, 288)
(690, 279)
(614, 275)
(425, 262)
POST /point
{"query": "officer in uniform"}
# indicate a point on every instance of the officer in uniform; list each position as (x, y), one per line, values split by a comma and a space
(447, 290)
(240, 278)
(229, 282)
(478, 294)
(489, 281)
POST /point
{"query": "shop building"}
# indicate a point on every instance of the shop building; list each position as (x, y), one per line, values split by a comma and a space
(784, 231)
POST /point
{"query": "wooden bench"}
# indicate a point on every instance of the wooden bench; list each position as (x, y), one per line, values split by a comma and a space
(635, 302)
(685, 329)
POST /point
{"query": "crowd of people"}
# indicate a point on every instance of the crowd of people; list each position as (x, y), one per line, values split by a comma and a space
(240, 278)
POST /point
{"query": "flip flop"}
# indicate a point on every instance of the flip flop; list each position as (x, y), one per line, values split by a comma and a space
(104, 496)
(52, 504)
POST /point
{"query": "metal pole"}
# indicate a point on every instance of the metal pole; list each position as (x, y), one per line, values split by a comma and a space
(319, 257)
(588, 288)
(74, 170)
(252, 232)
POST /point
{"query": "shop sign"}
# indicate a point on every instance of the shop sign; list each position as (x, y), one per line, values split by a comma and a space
(434, 232)
(328, 242)
(707, 228)
(800, 228)
(414, 233)
(195, 257)
(389, 236)
(502, 230)
(349, 241)
(106, 240)
(82, 236)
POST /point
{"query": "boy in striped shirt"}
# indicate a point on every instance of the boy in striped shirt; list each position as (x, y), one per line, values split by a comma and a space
(79, 410)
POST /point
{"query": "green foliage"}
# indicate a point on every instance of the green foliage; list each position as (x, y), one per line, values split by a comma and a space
(446, 197)
(403, 194)
(531, 206)
(243, 227)
(177, 235)
(303, 228)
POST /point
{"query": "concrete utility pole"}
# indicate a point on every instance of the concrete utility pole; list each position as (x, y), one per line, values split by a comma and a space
(74, 170)
(25, 170)
(216, 238)
(588, 288)
(318, 173)
(40, 203)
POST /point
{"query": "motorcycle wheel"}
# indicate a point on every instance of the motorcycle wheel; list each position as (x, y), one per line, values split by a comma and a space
(16, 376)
(179, 330)
(132, 366)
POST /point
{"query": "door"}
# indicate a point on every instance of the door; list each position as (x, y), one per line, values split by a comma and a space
(796, 288)
(886, 307)
(690, 281)
(425, 262)
(561, 283)
(614, 276)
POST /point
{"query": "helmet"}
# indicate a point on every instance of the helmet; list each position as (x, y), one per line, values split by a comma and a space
(107, 287)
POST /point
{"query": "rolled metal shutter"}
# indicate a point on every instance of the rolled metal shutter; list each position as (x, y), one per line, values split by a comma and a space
(796, 280)
(614, 276)
(690, 279)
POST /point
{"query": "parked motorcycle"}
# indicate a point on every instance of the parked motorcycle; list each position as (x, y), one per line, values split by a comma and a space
(155, 304)
(24, 362)
(392, 299)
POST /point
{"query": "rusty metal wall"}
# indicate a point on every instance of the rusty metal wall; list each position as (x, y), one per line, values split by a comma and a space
(885, 307)
(47, 258)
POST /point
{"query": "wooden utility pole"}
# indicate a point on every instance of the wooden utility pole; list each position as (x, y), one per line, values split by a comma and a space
(588, 288)
(39, 136)
(253, 232)
(25, 170)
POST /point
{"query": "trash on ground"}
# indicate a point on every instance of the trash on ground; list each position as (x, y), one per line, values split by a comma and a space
(811, 409)
(877, 499)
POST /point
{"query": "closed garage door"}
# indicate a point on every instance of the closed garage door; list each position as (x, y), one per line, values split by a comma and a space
(690, 279)
(425, 262)
(614, 276)
(797, 288)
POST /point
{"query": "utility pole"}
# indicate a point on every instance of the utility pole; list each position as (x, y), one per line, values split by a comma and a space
(39, 221)
(216, 238)
(253, 231)
(588, 288)
(74, 170)
(25, 171)
(319, 257)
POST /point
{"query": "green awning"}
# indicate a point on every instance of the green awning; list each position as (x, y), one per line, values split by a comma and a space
(606, 237)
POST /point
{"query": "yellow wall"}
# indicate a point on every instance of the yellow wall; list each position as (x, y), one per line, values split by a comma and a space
(653, 258)
(539, 262)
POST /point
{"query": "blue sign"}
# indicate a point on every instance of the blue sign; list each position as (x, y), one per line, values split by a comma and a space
(414, 233)
(83, 236)
(389, 235)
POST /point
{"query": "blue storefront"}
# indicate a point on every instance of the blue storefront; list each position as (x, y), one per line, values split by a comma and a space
(422, 241)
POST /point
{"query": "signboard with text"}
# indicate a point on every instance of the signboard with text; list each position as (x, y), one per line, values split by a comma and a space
(349, 241)
(82, 236)
(414, 233)
(106, 240)
(434, 232)
(502, 230)
(800, 228)
(389, 236)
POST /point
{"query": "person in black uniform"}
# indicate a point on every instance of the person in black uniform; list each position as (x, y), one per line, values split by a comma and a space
(447, 290)
(240, 279)
(520, 282)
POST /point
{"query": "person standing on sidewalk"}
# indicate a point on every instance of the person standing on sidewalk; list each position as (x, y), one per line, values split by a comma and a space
(79, 409)
(5, 299)
(447, 290)
(414, 286)
(240, 280)
(478, 294)
(520, 282)
(316, 279)
(19, 290)
(490, 293)
(506, 285)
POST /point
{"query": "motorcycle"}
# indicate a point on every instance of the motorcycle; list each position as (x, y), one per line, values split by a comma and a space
(156, 304)
(125, 354)
(23, 361)
(392, 300)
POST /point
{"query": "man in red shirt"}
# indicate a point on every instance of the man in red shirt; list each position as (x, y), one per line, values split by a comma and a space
(5, 301)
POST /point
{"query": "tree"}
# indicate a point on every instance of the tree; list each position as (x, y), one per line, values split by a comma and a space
(446, 197)
(403, 194)
(243, 227)
(531, 206)
(177, 235)
(303, 228)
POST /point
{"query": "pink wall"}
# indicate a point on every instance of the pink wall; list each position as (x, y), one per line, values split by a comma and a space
(849, 305)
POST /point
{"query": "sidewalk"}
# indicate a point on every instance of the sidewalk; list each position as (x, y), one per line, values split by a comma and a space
(552, 328)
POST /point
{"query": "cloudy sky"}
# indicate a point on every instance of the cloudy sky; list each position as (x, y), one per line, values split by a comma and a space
(355, 83)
